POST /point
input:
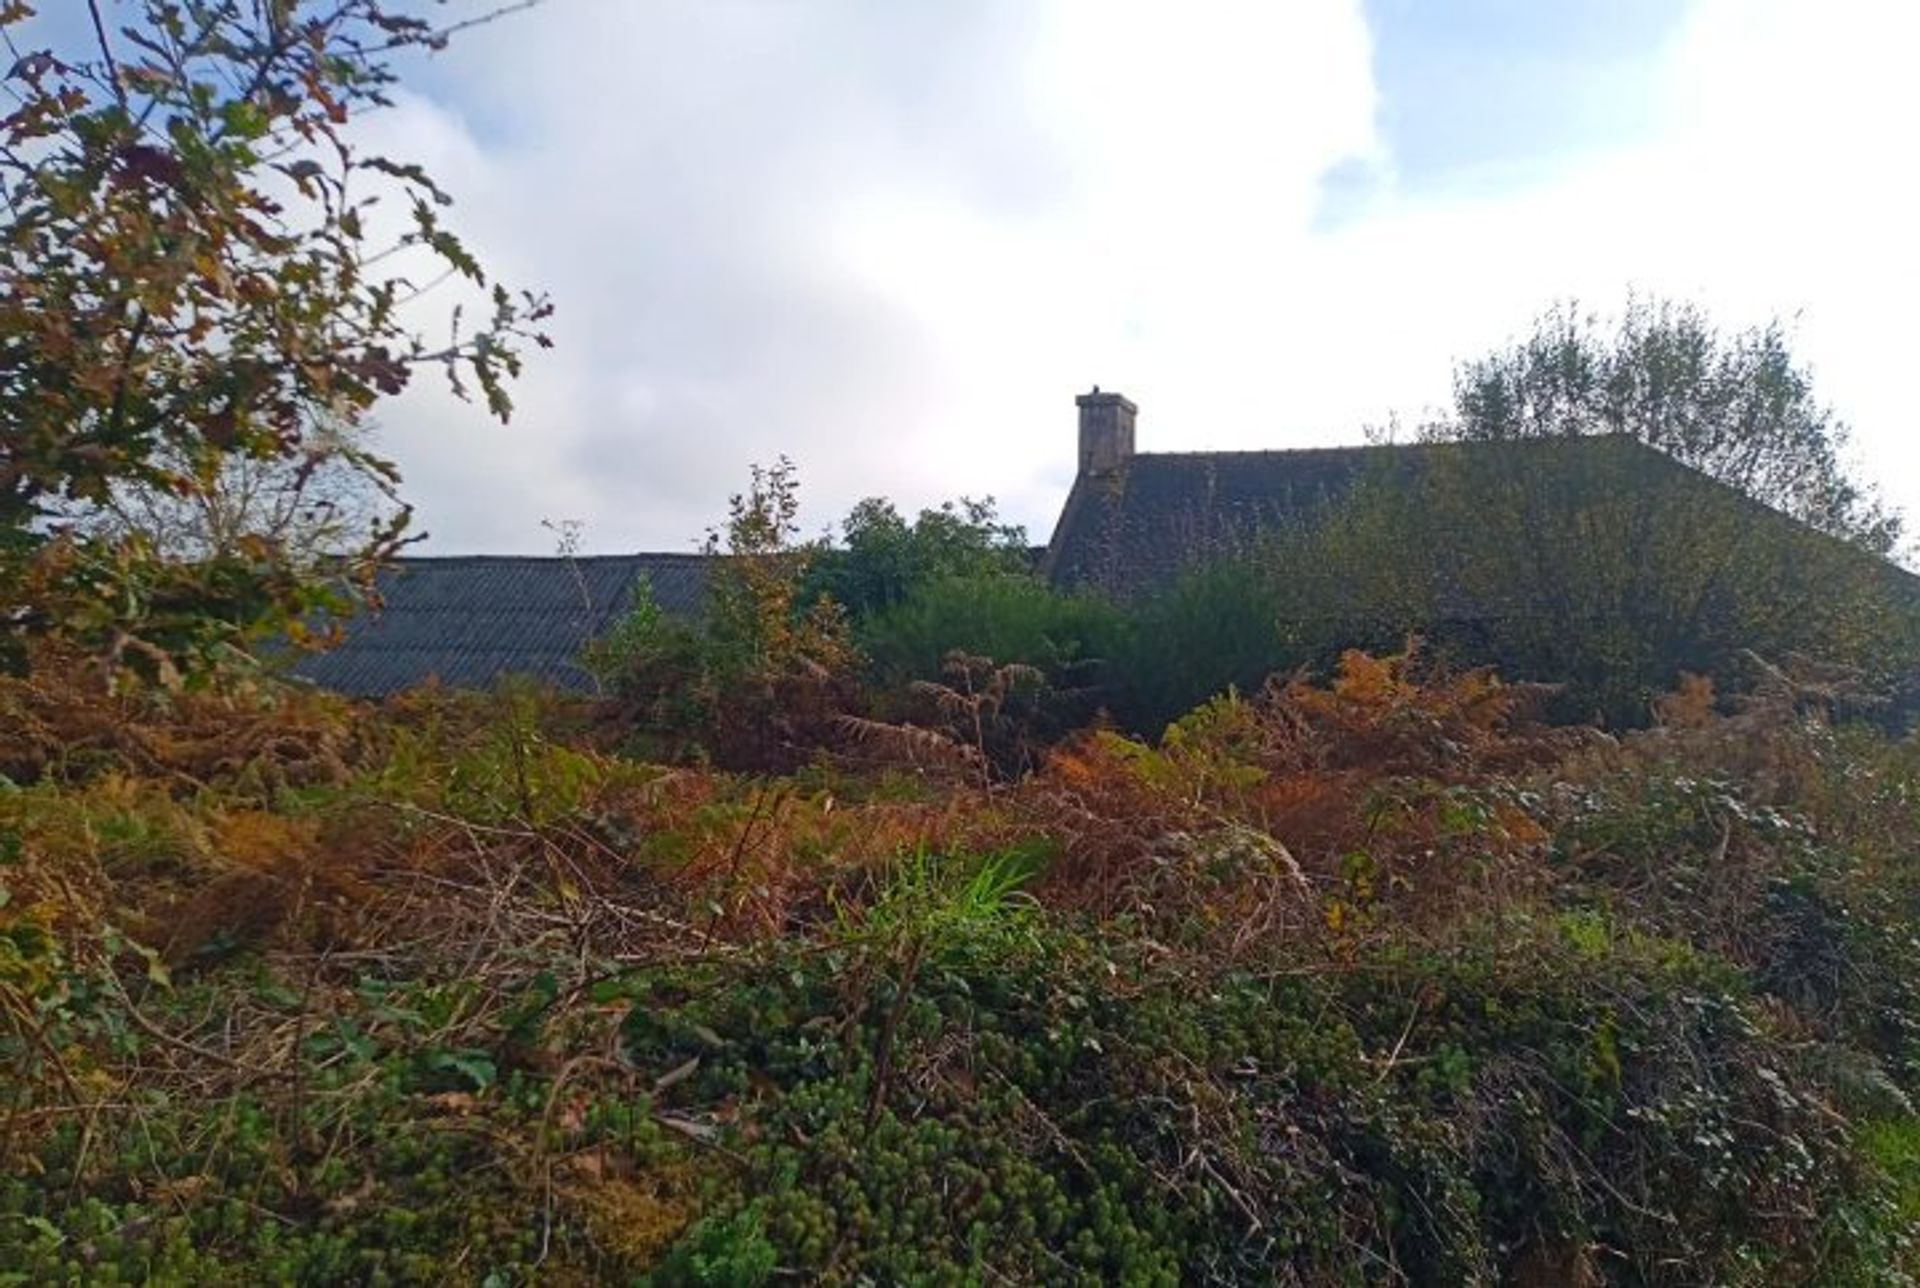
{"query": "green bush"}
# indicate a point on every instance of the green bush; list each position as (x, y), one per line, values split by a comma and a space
(1017, 619)
(1230, 625)
(1217, 626)
(883, 559)
(1523, 1092)
(1144, 662)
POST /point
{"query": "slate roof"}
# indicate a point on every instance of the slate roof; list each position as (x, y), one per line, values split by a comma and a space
(471, 619)
(468, 620)
(1126, 530)
(1138, 526)
(1134, 527)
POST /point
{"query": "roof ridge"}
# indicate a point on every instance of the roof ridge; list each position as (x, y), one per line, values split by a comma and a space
(551, 559)
(1351, 448)
(1274, 451)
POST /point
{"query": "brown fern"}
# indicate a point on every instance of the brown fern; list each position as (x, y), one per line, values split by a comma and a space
(909, 744)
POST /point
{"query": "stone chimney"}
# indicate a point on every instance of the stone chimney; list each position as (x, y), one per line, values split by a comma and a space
(1106, 431)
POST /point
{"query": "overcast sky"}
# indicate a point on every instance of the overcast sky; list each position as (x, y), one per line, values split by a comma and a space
(893, 240)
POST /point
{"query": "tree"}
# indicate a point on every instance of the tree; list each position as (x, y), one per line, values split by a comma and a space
(201, 271)
(1736, 405)
(313, 508)
(882, 559)
(1598, 565)
(758, 607)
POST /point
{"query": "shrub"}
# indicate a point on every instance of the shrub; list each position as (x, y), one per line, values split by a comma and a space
(883, 559)
(1365, 974)
(759, 680)
(1008, 619)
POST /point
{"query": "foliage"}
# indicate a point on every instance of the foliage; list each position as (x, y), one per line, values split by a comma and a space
(993, 718)
(202, 278)
(756, 605)
(1216, 626)
(760, 678)
(1370, 980)
(1012, 619)
(1288, 603)
(310, 509)
(882, 559)
(1738, 406)
(1610, 579)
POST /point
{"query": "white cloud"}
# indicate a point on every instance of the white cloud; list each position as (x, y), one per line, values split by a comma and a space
(1773, 186)
(893, 241)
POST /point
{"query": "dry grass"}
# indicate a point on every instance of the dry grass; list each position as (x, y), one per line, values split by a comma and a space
(454, 848)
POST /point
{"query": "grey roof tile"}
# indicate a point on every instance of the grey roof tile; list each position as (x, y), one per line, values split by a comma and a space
(469, 620)
(1160, 513)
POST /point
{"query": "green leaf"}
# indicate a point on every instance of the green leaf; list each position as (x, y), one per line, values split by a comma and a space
(244, 119)
(476, 1066)
(353, 1038)
(45, 1228)
(607, 990)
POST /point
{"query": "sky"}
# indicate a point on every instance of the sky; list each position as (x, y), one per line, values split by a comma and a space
(892, 241)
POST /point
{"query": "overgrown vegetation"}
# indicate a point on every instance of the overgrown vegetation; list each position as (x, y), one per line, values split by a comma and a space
(1607, 583)
(1737, 405)
(760, 677)
(1369, 980)
(902, 918)
(881, 559)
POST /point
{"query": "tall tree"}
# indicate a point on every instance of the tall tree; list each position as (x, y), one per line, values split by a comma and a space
(1737, 405)
(1601, 566)
(192, 275)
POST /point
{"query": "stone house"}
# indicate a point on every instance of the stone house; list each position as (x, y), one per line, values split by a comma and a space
(1131, 521)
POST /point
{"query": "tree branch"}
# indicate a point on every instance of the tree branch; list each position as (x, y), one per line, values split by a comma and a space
(106, 52)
